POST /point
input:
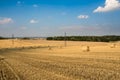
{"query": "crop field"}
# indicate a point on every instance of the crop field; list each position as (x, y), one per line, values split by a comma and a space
(51, 60)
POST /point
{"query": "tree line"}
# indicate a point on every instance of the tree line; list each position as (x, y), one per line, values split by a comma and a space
(86, 38)
(3, 37)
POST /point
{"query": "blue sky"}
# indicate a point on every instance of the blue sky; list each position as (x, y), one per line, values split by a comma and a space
(54, 17)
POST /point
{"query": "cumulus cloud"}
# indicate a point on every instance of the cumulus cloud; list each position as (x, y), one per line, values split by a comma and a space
(110, 5)
(83, 16)
(33, 21)
(6, 20)
(35, 5)
(20, 3)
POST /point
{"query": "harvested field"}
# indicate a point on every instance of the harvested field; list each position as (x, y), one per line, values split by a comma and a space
(62, 63)
(6, 72)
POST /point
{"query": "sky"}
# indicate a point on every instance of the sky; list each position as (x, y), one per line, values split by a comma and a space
(42, 18)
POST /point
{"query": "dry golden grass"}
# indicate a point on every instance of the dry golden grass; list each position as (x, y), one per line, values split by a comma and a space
(27, 43)
(63, 63)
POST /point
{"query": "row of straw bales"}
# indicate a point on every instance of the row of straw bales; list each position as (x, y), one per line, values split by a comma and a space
(85, 48)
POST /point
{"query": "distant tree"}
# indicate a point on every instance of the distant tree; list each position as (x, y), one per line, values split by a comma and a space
(25, 38)
(49, 38)
(107, 38)
(3, 37)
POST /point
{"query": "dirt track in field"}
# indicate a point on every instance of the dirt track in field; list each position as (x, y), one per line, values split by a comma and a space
(6, 72)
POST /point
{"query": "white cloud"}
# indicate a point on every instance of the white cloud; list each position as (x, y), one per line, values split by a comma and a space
(83, 16)
(6, 20)
(19, 3)
(110, 5)
(33, 21)
(35, 5)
